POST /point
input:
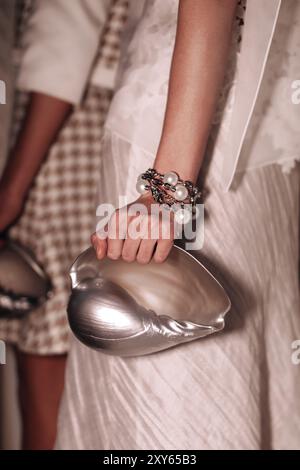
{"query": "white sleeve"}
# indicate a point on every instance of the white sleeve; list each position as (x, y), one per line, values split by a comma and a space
(60, 44)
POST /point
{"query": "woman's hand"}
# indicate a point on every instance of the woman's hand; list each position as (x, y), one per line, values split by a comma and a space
(137, 232)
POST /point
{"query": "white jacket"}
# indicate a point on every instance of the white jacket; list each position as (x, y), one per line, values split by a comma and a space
(58, 26)
(60, 45)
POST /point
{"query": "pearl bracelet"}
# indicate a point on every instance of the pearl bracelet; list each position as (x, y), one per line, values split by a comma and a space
(170, 191)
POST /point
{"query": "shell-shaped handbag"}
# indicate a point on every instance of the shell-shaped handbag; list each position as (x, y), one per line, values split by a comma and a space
(129, 309)
(24, 285)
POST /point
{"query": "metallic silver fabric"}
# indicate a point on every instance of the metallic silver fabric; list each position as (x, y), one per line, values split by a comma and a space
(132, 309)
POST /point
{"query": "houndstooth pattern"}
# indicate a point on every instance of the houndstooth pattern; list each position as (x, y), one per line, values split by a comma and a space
(58, 220)
(59, 214)
(24, 9)
(109, 51)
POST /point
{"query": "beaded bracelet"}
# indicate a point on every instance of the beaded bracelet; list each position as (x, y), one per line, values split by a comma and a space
(170, 191)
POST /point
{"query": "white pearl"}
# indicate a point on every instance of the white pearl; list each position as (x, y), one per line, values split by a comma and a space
(183, 216)
(170, 178)
(181, 192)
(141, 186)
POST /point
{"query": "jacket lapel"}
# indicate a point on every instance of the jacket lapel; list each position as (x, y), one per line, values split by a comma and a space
(260, 21)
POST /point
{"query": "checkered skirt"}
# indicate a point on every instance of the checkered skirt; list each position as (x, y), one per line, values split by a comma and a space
(58, 220)
(59, 214)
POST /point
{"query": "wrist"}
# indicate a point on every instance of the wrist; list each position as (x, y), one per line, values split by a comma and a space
(13, 189)
(181, 154)
(168, 189)
(18, 175)
(186, 170)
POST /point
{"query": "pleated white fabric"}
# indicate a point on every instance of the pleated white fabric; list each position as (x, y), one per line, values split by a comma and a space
(236, 390)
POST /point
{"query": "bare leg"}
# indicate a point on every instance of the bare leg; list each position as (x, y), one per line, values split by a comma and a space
(41, 381)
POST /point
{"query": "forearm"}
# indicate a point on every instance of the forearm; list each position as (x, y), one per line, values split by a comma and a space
(198, 66)
(45, 116)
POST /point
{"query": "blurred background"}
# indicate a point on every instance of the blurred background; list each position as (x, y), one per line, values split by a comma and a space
(9, 418)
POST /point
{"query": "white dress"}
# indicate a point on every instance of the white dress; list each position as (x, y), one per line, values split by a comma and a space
(234, 390)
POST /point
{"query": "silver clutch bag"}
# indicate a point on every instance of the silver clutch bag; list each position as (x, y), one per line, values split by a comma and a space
(24, 285)
(132, 309)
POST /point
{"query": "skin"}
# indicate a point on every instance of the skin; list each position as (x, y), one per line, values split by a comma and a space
(45, 114)
(41, 382)
(41, 378)
(197, 71)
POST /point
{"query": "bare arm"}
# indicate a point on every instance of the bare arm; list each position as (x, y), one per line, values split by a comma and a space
(199, 60)
(45, 116)
(198, 66)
